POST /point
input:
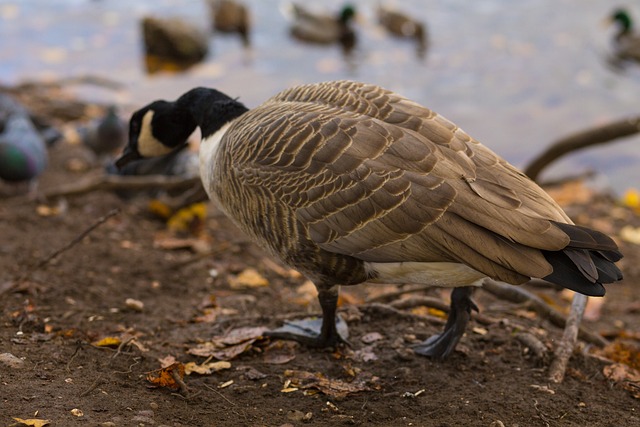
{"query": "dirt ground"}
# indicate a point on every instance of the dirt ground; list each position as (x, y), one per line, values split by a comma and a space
(160, 301)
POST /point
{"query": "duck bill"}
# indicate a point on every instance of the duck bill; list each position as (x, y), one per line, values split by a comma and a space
(128, 156)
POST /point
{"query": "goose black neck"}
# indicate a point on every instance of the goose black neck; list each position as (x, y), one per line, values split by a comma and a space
(210, 109)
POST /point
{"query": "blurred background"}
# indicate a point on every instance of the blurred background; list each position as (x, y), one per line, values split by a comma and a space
(515, 75)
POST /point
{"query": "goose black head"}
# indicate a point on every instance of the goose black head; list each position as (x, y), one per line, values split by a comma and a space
(156, 130)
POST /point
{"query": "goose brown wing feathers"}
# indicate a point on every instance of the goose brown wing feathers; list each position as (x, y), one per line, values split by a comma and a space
(370, 174)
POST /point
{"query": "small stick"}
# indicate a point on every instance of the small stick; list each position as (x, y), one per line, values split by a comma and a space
(92, 387)
(69, 245)
(565, 347)
(181, 384)
(537, 347)
(219, 394)
(519, 295)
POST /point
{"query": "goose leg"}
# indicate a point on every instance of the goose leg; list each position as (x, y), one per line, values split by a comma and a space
(320, 333)
(442, 345)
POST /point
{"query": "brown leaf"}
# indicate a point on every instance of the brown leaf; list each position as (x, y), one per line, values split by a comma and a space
(205, 368)
(164, 377)
(330, 387)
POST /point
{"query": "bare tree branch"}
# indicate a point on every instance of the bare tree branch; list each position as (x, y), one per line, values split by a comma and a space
(580, 140)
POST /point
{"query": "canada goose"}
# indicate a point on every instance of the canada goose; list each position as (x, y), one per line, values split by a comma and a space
(322, 28)
(401, 25)
(627, 42)
(349, 183)
(229, 16)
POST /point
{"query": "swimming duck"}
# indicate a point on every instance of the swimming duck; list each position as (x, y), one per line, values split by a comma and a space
(401, 25)
(23, 152)
(172, 43)
(627, 42)
(323, 28)
(106, 135)
(229, 16)
(350, 183)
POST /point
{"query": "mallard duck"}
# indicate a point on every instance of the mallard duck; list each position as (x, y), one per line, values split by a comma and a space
(627, 42)
(323, 28)
(23, 152)
(106, 135)
(401, 25)
(350, 183)
(174, 40)
(229, 16)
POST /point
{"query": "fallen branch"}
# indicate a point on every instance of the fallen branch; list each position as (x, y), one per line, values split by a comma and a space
(580, 140)
(565, 347)
(118, 182)
(68, 246)
(519, 295)
(438, 304)
(387, 310)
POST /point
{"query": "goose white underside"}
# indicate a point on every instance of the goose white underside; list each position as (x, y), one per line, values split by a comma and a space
(208, 153)
(440, 274)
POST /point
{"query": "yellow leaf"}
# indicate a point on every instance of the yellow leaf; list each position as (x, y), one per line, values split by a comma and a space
(631, 198)
(108, 342)
(159, 209)
(249, 278)
(32, 422)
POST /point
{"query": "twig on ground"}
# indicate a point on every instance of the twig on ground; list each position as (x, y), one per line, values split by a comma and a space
(565, 347)
(219, 394)
(73, 356)
(386, 309)
(68, 246)
(537, 347)
(519, 295)
(106, 182)
(122, 345)
(438, 304)
(91, 387)
(580, 140)
(389, 296)
(182, 386)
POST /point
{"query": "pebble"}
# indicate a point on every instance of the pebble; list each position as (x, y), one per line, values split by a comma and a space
(134, 304)
(11, 361)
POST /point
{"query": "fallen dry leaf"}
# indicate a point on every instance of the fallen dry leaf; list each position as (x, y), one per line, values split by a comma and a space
(108, 342)
(165, 377)
(625, 376)
(248, 279)
(230, 345)
(630, 234)
(330, 387)
(167, 361)
(622, 352)
(32, 422)
(205, 368)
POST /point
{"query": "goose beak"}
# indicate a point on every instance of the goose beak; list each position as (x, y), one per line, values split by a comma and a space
(128, 155)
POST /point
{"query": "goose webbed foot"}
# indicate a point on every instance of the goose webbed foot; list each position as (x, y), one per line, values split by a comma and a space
(319, 333)
(442, 345)
(312, 332)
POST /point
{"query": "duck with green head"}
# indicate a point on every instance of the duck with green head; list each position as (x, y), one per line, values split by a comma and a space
(320, 28)
(627, 42)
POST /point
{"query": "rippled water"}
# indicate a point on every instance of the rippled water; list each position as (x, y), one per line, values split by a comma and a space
(515, 75)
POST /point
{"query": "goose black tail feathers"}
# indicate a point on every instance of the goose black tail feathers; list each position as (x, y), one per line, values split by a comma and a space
(586, 263)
